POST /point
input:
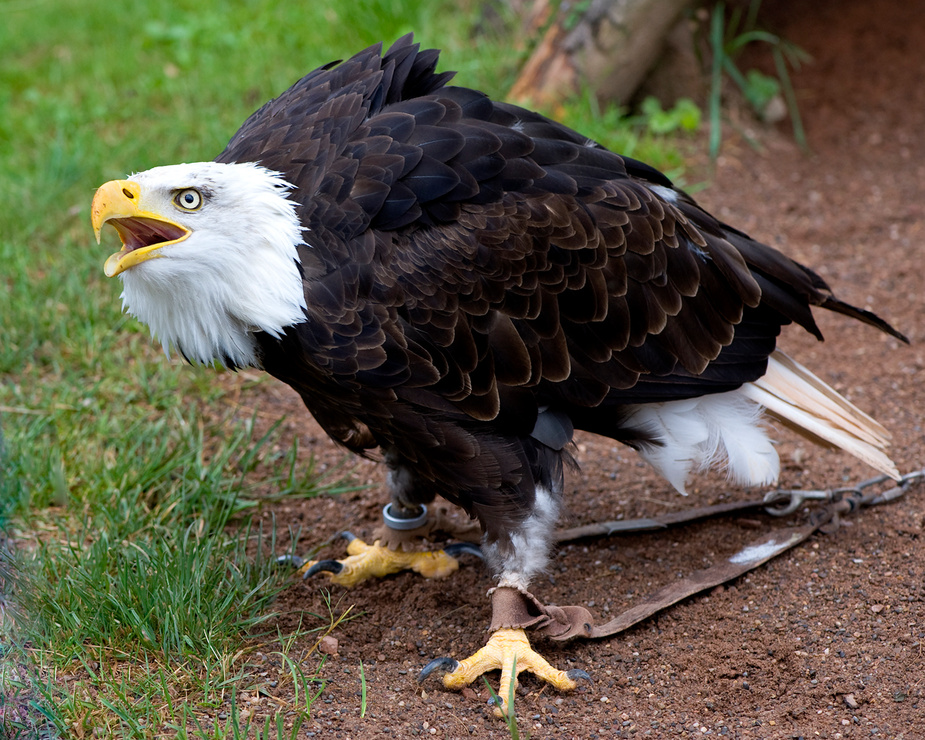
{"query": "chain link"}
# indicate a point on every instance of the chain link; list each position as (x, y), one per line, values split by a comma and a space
(784, 502)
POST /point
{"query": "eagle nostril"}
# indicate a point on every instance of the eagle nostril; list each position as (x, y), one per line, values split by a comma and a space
(128, 193)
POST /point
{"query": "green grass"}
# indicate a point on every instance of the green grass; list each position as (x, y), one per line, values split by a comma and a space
(137, 595)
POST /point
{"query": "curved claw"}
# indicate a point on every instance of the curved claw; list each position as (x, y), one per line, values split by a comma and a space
(294, 561)
(446, 665)
(459, 548)
(297, 561)
(326, 566)
(577, 674)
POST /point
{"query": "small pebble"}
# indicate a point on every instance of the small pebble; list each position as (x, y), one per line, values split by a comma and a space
(328, 645)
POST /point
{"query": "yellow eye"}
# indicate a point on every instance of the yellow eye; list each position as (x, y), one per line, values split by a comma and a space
(188, 199)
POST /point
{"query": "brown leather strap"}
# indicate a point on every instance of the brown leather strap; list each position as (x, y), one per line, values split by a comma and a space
(751, 556)
(512, 609)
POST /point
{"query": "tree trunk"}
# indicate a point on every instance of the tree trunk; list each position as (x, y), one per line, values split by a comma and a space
(609, 48)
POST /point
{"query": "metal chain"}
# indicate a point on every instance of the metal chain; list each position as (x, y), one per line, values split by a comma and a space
(847, 499)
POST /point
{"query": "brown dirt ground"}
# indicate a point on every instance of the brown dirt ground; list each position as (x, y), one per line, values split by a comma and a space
(825, 641)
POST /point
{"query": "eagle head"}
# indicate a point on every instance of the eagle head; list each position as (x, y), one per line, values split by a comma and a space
(209, 256)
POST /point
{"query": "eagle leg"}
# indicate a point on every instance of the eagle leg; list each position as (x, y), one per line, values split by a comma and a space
(509, 651)
(365, 561)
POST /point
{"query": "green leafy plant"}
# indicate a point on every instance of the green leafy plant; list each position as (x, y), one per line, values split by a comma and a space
(727, 39)
(684, 115)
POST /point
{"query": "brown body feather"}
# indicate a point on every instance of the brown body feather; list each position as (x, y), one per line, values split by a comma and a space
(470, 263)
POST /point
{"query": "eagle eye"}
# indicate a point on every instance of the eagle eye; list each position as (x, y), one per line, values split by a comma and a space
(189, 199)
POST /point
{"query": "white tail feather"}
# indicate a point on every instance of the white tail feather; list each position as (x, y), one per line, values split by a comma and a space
(798, 398)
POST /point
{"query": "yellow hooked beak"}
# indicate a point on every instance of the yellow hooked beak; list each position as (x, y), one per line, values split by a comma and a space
(142, 232)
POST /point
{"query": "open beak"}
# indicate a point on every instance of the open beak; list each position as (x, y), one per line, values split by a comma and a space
(142, 232)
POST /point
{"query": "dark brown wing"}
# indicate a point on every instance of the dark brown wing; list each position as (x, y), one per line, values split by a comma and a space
(470, 262)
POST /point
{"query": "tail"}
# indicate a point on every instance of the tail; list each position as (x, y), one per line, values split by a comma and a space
(800, 400)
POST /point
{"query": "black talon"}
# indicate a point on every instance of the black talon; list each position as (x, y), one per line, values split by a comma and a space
(292, 560)
(349, 536)
(577, 673)
(329, 566)
(447, 664)
(460, 548)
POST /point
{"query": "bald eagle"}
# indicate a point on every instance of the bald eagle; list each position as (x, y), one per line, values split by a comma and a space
(461, 283)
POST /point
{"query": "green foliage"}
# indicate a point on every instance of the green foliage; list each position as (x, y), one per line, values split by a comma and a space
(728, 37)
(683, 116)
(158, 541)
(760, 89)
(154, 574)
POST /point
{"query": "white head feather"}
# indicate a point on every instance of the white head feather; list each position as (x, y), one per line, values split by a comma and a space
(235, 274)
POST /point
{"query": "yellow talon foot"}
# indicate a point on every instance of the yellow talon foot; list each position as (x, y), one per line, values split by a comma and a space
(508, 650)
(375, 561)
